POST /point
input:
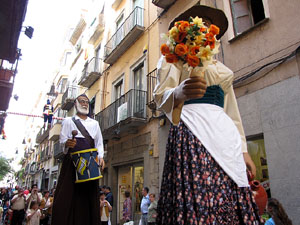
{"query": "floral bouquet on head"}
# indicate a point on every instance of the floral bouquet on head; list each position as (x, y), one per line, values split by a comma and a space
(191, 42)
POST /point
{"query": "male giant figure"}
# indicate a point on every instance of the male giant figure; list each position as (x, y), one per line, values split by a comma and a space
(78, 203)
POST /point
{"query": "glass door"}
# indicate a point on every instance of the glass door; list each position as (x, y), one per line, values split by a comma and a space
(138, 12)
(138, 96)
(120, 30)
(124, 184)
(138, 184)
(130, 178)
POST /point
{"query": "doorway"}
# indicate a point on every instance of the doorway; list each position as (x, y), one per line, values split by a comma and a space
(130, 178)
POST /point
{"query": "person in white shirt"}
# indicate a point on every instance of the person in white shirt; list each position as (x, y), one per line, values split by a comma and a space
(78, 203)
(18, 207)
(34, 195)
(105, 208)
(33, 214)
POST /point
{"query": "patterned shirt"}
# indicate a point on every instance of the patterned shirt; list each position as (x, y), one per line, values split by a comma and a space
(127, 209)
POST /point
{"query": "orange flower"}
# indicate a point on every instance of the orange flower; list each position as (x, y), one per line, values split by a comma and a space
(211, 44)
(214, 29)
(177, 24)
(171, 58)
(194, 50)
(193, 60)
(202, 29)
(183, 25)
(210, 37)
(179, 37)
(181, 49)
(164, 48)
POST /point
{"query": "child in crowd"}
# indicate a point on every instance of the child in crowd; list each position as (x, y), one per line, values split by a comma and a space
(277, 212)
(105, 208)
(33, 214)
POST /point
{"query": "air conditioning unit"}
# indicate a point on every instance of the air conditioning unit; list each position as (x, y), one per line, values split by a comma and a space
(122, 112)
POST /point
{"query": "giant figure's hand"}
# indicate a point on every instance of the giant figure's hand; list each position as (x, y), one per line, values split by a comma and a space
(249, 163)
(193, 87)
(70, 143)
(102, 163)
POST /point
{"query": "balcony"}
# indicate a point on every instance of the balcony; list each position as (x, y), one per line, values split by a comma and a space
(124, 115)
(151, 83)
(55, 131)
(27, 169)
(33, 168)
(78, 31)
(6, 87)
(97, 28)
(57, 100)
(58, 150)
(56, 125)
(68, 98)
(91, 72)
(42, 155)
(42, 135)
(125, 36)
(163, 3)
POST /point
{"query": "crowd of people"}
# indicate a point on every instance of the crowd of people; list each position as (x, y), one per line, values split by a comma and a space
(20, 206)
(25, 206)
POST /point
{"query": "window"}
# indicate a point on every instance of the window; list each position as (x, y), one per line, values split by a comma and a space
(118, 89)
(119, 29)
(138, 15)
(62, 85)
(92, 107)
(246, 13)
(257, 151)
(97, 60)
(139, 100)
(138, 75)
(67, 58)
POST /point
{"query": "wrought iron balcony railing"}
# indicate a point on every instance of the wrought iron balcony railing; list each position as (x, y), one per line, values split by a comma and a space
(125, 36)
(151, 83)
(130, 105)
(27, 168)
(68, 98)
(60, 114)
(42, 135)
(58, 150)
(33, 168)
(91, 72)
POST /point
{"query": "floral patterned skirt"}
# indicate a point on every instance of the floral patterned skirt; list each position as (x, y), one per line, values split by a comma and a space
(195, 189)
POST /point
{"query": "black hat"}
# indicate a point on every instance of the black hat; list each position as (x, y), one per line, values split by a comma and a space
(216, 16)
(83, 95)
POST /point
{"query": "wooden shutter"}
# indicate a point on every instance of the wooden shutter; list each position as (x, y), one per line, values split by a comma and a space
(241, 15)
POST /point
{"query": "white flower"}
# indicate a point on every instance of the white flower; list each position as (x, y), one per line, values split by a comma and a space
(198, 21)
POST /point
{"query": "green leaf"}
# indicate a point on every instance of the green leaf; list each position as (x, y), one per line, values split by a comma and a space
(190, 33)
(190, 19)
(5, 167)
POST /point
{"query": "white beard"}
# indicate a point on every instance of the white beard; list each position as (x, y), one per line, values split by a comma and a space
(80, 109)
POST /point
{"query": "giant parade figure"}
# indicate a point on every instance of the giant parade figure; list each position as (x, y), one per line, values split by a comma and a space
(76, 199)
(204, 178)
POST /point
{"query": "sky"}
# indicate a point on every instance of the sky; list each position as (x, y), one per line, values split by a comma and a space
(39, 60)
